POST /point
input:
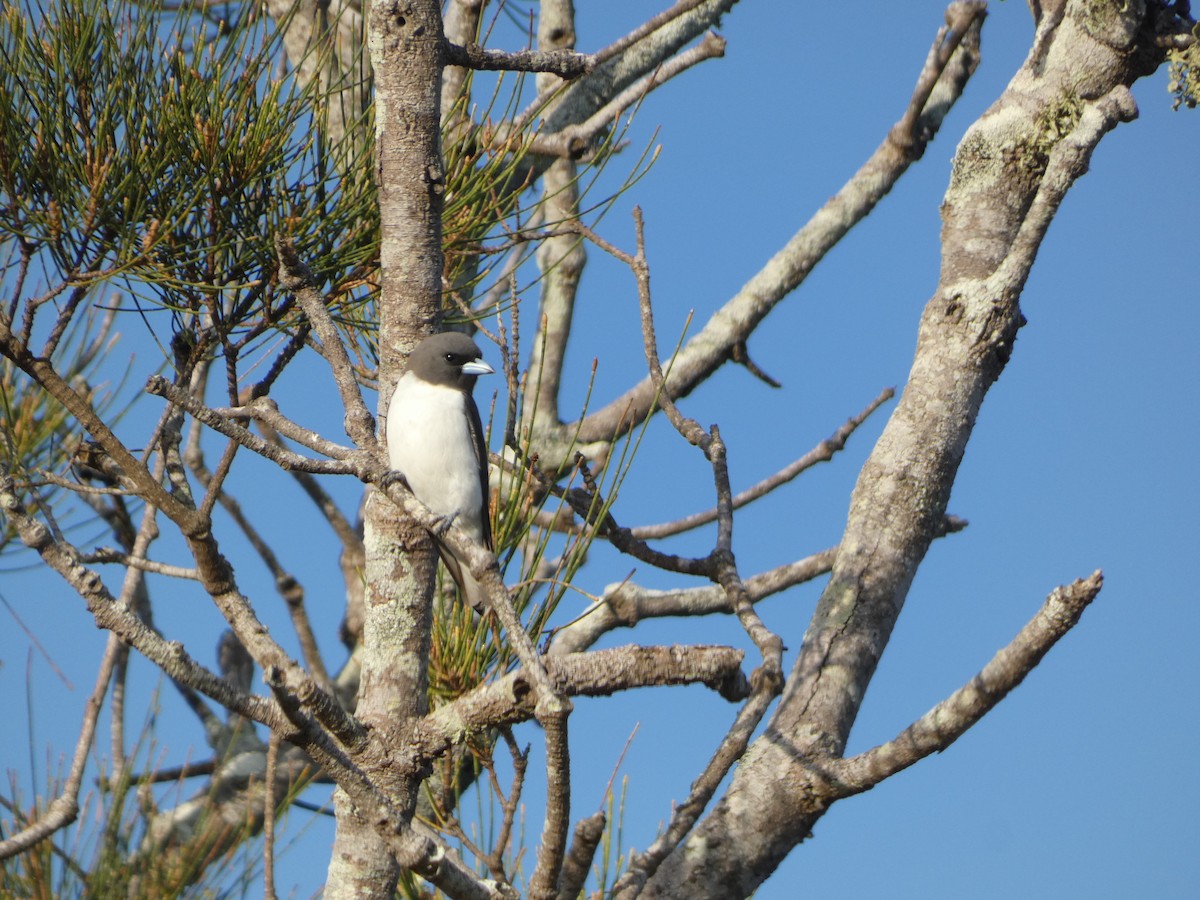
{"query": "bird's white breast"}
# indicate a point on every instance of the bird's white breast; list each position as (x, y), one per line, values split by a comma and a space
(430, 443)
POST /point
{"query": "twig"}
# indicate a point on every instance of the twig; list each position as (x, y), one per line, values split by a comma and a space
(767, 680)
(589, 504)
(269, 818)
(111, 555)
(136, 597)
(961, 17)
(296, 277)
(510, 804)
(341, 526)
(823, 452)
(213, 487)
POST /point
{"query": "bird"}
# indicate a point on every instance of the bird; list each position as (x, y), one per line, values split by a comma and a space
(435, 443)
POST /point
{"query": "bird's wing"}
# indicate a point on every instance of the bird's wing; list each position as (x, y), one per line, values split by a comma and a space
(481, 457)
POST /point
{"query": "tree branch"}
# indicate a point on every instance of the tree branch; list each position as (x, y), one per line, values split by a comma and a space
(625, 604)
(578, 863)
(508, 700)
(113, 616)
(566, 64)
(575, 141)
(950, 719)
(341, 458)
(1010, 171)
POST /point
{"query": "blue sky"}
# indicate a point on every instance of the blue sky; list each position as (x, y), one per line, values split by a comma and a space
(1083, 782)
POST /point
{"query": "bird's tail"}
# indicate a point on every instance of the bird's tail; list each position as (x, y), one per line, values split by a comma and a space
(469, 590)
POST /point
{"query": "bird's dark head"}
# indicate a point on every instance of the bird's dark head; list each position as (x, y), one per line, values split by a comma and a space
(450, 358)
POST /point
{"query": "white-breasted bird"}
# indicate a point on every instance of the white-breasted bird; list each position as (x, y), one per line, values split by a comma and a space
(435, 441)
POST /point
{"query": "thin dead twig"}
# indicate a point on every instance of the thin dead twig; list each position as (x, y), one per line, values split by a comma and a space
(823, 452)
(64, 808)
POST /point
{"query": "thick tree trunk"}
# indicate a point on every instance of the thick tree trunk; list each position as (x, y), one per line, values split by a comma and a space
(405, 46)
(1010, 173)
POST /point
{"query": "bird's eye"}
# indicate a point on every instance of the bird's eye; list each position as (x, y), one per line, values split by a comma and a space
(450, 357)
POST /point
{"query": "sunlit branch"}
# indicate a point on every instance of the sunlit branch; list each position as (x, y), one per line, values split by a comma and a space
(950, 719)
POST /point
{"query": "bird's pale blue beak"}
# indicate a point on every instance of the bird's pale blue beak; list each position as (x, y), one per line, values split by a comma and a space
(477, 367)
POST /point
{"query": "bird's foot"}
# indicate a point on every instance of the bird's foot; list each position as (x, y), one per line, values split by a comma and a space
(442, 524)
(391, 478)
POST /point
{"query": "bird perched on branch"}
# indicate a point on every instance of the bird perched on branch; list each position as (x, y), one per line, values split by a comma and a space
(435, 441)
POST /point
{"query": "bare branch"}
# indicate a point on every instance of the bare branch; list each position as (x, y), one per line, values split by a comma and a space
(43, 372)
(575, 141)
(686, 814)
(911, 130)
(269, 818)
(113, 616)
(630, 58)
(600, 673)
(543, 885)
(950, 719)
